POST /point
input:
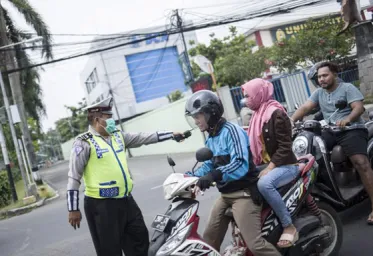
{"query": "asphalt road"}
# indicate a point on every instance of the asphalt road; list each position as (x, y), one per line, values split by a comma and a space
(46, 232)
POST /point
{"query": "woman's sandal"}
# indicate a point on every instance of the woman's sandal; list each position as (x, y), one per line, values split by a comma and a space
(370, 219)
(290, 240)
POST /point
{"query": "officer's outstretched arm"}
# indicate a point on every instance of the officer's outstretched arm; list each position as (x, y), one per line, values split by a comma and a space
(134, 140)
(78, 160)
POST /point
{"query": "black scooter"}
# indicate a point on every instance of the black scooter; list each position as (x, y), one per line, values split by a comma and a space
(338, 183)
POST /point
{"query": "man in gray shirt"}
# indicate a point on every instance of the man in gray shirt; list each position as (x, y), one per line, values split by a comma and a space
(353, 142)
(98, 156)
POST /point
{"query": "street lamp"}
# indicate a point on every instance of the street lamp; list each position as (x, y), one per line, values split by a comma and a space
(10, 118)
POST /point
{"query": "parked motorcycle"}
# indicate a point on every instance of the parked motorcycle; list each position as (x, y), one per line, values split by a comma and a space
(175, 231)
(337, 183)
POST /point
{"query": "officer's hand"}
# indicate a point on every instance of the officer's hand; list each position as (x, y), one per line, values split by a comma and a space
(74, 219)
(179, 137)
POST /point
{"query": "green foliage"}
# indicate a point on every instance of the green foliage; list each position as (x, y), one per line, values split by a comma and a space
(174, 96)
(317, 42)
(233, 59)
(74, 125)
(5, 192)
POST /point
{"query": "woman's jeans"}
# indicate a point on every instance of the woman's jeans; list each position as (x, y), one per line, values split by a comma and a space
(268, 185)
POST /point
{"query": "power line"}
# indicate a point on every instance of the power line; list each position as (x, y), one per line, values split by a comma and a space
(277, 9)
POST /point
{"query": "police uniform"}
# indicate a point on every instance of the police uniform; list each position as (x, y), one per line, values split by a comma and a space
(115, 221)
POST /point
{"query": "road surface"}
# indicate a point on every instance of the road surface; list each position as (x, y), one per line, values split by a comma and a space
(46, 232)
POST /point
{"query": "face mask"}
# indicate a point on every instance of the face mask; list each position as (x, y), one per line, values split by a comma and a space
(110, 125)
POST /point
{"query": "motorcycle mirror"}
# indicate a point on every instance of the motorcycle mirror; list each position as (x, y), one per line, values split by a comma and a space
(341, 104)
(203, 154)
(171, 162)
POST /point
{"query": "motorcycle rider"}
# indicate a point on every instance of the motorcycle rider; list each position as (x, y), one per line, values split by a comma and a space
(353, 142)
(270, 134)
(233, 171)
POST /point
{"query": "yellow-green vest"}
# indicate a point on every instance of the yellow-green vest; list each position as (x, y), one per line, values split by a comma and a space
(106, 174)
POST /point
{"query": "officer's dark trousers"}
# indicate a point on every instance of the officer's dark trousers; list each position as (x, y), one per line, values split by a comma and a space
(116, 225)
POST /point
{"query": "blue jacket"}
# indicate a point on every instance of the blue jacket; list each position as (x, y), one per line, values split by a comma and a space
(231, 156)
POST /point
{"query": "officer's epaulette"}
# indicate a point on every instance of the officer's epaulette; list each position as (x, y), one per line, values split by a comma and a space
(85, 136)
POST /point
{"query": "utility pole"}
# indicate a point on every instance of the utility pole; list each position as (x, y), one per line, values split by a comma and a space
(14, 135)
(180, 26)
(15, 85)
(7, 164)
(115, 102)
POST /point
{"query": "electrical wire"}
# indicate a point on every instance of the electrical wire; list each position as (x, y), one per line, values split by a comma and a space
(276, 9)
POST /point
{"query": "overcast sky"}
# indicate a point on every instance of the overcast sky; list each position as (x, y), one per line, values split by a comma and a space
(60, 81)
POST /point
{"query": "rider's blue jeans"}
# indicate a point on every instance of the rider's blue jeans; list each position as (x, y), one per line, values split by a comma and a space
(268, 185)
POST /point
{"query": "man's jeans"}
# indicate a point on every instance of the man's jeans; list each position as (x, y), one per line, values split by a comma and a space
(268, 185)
(247, 217)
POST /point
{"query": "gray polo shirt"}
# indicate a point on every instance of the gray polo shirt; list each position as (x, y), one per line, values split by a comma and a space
(326, 101)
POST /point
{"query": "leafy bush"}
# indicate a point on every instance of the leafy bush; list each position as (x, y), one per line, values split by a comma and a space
(5, 193)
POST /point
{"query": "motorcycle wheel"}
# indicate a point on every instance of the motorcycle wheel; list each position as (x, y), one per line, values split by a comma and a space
(331, 218)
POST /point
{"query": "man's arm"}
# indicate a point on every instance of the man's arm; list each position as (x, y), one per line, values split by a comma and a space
(355, 99)
(238, 146)
(303, 110)
(78, 160)
(134, 140)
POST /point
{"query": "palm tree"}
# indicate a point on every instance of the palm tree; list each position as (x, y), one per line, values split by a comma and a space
(9, 33)
(29, 78)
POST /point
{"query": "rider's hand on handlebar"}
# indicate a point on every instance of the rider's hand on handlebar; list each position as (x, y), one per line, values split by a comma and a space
(343, 123)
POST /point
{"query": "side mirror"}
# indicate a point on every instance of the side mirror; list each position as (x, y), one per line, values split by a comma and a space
(170, 161)
(203, 154)
(341, 104)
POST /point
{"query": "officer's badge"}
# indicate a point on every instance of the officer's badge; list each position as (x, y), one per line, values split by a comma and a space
(78, 150)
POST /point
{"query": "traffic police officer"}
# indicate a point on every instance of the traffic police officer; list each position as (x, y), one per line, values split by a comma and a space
(115, 221)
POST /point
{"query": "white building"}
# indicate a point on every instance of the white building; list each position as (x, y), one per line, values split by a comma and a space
(141, 75)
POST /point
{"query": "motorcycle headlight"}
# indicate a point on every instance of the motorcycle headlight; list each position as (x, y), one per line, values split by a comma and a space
(300, 146)
(175, 241)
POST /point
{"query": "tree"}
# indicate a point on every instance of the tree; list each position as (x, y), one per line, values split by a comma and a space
(174, 96)
(74, 125)
(29, 78)
(318, 41)
(233, 58)
(9, 33)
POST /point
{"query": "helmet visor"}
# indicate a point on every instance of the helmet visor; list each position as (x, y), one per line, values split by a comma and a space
(198, 120)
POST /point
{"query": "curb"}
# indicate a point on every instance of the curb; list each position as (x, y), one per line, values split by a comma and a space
(29, 208)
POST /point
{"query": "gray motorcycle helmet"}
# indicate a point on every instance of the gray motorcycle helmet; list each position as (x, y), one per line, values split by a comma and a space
(205, 102)
(312, 75)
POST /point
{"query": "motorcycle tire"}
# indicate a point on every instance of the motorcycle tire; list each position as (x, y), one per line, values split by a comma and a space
(328, 212)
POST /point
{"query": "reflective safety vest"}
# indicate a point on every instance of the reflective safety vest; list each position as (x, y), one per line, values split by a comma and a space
(106, 174)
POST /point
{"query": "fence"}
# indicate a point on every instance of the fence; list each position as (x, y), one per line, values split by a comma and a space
(287, 89)
(294, 88)
(350, 76)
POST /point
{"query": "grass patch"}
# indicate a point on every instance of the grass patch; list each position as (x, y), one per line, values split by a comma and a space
(20, 188)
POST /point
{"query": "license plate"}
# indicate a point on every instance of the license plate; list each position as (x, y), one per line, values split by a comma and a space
(160, 222)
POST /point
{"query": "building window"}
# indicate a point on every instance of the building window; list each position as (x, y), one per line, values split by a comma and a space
(91, 81)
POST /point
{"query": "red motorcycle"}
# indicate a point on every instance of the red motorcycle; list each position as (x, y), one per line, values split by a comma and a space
(175, 231)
